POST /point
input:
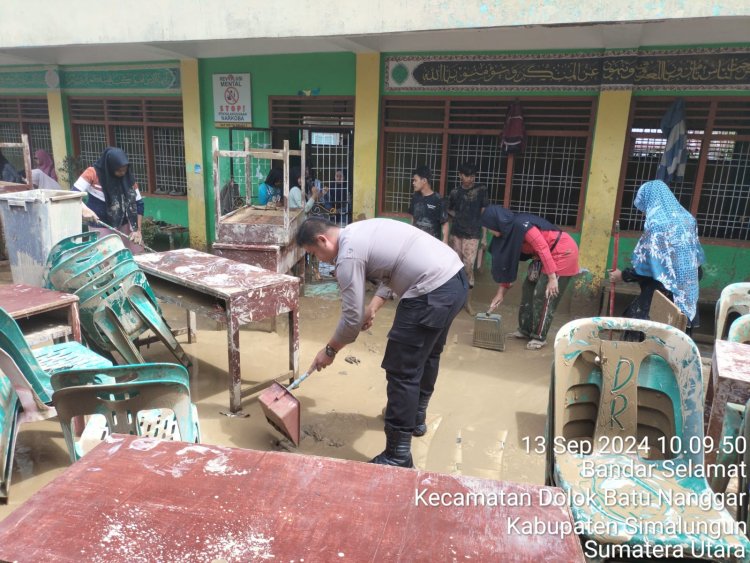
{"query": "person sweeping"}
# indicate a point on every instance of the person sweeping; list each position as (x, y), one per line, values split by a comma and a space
(554, 254)
(429, 279)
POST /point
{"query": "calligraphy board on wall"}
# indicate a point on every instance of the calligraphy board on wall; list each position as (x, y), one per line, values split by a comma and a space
(694, 69)
(232, 100)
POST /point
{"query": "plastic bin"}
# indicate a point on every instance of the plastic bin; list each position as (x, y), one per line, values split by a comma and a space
(33, 222)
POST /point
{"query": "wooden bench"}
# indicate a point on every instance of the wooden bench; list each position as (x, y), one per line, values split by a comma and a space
(707, 297)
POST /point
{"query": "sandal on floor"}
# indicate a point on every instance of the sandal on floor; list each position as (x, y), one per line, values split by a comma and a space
(536, 344)
(518, 334)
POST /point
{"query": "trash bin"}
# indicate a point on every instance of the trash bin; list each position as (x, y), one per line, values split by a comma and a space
(33, 222)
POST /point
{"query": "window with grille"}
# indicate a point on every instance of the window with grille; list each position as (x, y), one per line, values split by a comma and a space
(259, 167)
(716, 185)
(442, 133)
(24, 115)
(150, 131)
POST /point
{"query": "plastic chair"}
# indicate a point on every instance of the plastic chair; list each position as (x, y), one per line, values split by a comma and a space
(83, 259)
(25, 388)
(10, 407)
(120, 313)
(733, 301)
(739, 331)
(635, 411)
(144, 400)
(68, 244)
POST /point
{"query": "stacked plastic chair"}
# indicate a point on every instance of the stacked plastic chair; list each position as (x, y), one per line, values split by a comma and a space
(144, 400)
(25, 388)
(117, 304)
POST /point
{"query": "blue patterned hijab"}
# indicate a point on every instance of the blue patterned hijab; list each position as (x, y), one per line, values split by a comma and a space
(668, 250)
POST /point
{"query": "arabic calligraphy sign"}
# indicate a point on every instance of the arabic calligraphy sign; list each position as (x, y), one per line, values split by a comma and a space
(694, 69)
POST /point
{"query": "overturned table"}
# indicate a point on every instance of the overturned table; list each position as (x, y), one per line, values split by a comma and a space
(228, 292)
(140, 499)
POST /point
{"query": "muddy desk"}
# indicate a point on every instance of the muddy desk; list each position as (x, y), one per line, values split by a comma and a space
(34, 309)
(139, 499)
(729, 383)
(228, 292)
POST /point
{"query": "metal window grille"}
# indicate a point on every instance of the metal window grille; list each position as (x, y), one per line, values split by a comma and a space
(547, 178)
(328, 153)
(403, 153)
(724, 205)
(484, 152)
(92, 140)
(11, 133)
(40, 137)
(714, 187)
(644, 156)
(148, 130)
(24, 115)
(259, 167)
(169, 161)
(130, 139)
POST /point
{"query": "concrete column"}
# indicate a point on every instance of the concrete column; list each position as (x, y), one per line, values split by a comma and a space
(366, 125)
(191, 120)
(57, 132)
(610, 136)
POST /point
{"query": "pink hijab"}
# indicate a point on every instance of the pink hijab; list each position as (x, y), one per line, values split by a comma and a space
(46, 164)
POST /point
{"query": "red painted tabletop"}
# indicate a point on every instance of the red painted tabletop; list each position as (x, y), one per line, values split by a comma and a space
(20, 300)
(140, 499)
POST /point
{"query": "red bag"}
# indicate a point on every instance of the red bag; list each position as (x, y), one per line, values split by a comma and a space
(513, 139)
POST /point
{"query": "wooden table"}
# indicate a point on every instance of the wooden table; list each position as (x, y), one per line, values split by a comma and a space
(729, 383)
(228, 292)
(139, 499)
(23, 302)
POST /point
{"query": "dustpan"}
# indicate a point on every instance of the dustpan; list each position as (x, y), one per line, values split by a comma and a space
(487, 331)
(282, 408)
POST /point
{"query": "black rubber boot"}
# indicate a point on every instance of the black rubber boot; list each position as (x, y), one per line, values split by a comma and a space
(421, 428)
(397, 449)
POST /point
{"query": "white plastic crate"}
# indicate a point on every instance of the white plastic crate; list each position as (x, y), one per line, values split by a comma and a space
(33, 222)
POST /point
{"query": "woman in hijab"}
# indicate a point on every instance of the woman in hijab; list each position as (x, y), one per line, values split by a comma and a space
(668, 255)
(113, 193)
(45, 163)
(521, 236)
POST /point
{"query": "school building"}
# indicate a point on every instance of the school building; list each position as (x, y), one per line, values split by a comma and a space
(377, 89)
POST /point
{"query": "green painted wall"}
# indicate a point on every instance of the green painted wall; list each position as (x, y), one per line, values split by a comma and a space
(334, 74)
(724, 264)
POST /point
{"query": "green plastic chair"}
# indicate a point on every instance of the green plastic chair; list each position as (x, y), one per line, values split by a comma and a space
(67, 245)
(733, 302)
(85, 258)
(25, 388)
(739, 331)
(120, 312)
(626, 417)
(77, 281)
(144, 400)
(10, 407)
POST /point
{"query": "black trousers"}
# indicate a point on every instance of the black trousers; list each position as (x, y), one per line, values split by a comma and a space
(415, 342)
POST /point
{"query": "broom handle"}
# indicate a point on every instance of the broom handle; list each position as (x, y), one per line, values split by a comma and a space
(103, 224)
(299, 380)
(614, 267)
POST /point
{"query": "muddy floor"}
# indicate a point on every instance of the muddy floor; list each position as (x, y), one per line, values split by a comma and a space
(485, 401)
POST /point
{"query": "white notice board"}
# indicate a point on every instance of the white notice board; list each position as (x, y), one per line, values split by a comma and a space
(232, 100)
